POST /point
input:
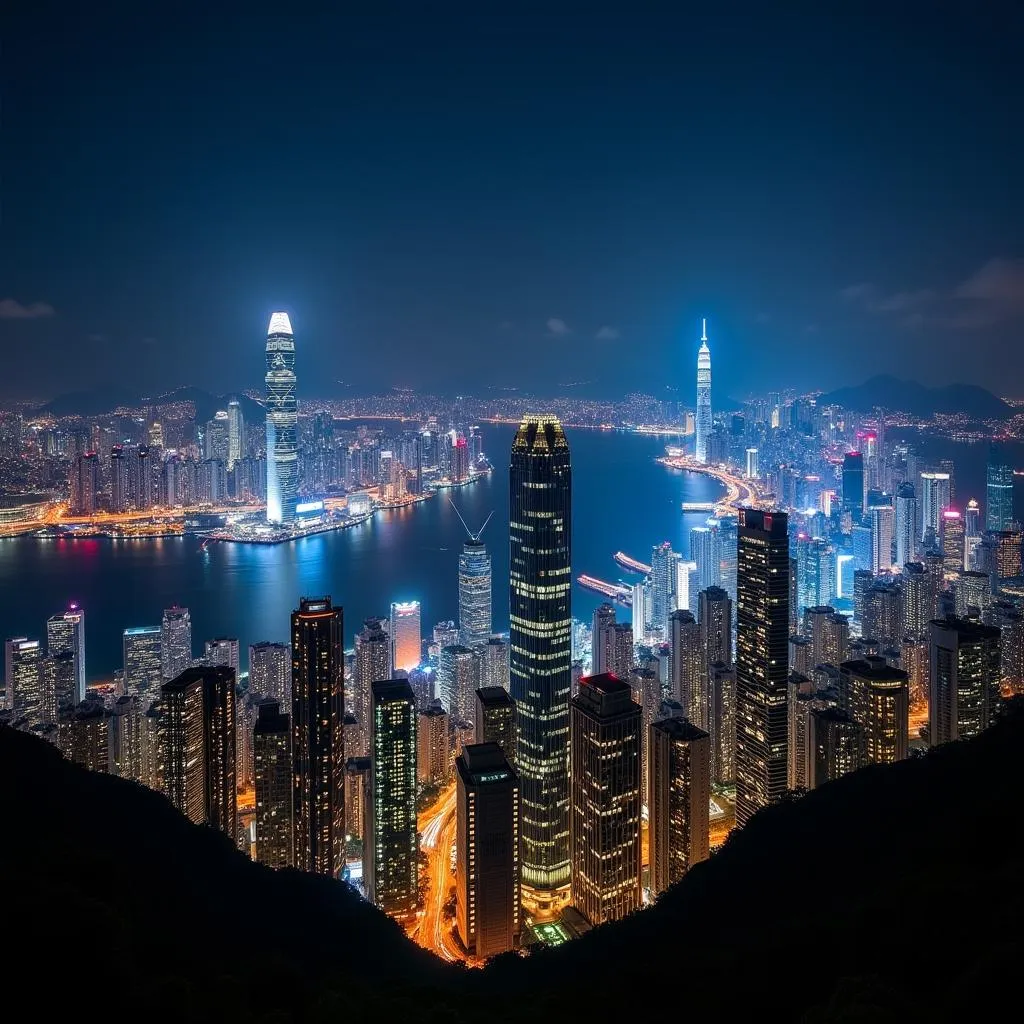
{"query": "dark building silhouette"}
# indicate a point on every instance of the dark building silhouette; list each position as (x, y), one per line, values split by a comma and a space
(495, 720)
(762, 655)
(540, 660)
(487, 897)
(835, 746)
(318, 717)
(272, 770)
(964, 678)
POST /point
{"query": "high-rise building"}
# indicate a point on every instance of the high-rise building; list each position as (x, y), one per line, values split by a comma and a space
(906, 524)
(952, 540)
(606, 745)
(686, 666)
(142, 665)
(835, 746)
(65, 634)
(458, 677)
(433, 756)
(964, 679)
(272, 761)
(125, 738)
(270, 671)
(879, 700)
(703, 422)
(372, 664)
(474, 591)
(704, 547)
(854, 490)
(222, 651)
(282, 422)
(236, 433)
(664, 576)
(406, 635)
(678, 799)
(23, 677)
(494, 663)
(58, 686)
(85, 480)
(622, 649)
(722, 717)
(714, 615)
(972, 594)
(199, 744)
(495, 719)
(935, 496)
(882, 521)
(118, 469)
(85, 735)
(318, 716)
(762, 649)
(393, 875)
(540, 668)
(998, 491)
(487, 885)
(175, 642)
(602, 639)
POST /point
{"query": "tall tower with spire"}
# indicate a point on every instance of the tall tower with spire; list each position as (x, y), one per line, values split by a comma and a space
(282, 422)
(703, 424)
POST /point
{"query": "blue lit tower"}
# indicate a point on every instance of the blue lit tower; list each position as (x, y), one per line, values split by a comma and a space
(282, 417)
(998, 492)
(474, 587)
(540, 645)
(703, 394)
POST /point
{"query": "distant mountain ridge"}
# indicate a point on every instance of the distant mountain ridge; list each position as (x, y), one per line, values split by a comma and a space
(887, 392)
(97, 403)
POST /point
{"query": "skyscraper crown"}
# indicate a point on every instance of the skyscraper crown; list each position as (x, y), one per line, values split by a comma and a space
(279, 323)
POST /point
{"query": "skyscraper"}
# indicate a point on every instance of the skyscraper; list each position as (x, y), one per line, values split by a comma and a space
(433, 761)
(458, 677)
(487, 888)
(494, 663)
(282, 421)
(142, 665)
(679, 772)
(65, 634)
(879, 699)
(236, 433)
(23, 676)
(318, 715)
(686, 676)
(175, 642)
(606, 768)
(392, 880)
(704, 551)
(406, 635)
(272, 758)
(223, 650)
(703, 421)
(372, 663)
(952, 539)
(540, 664)
(602, 639)
(762, 655)
(474, 589)
(906, 524)
(495, 719)
(125, 737)
(85, 478)
(853, 484)
(835, 745)
(663, 586)
(998, 491)
(935, 496)
(964, 679)
(881, 538)
(270, 671)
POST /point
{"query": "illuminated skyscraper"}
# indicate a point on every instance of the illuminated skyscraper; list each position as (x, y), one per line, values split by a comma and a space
(372, 664)
(762, 655)
(175, 642)
(602, 640)
(222, 651)
(964, 679)
(318, 716)
(540, 669)
(952, 538)
(474, 590)
(606, 750)
(458, 677)
(879, 698)
(906, 524)
(751, 471)
(406, 635)
(236, 433)
(703, 421)
(998, 491)
(487, 889)
(494, 665)
(23, 676)
(65, 634)
(881, 538)
(935, 491)
(85, 735)
(272, 758)
(853, 484)
(433, 761)
(495, 719)
(270, 671)
(392, 875)
(835, 746)
(141, 659)
(125, 737)
(282, 421)
(687, 680)
(85, 479)
(714, 613)
(679, 771)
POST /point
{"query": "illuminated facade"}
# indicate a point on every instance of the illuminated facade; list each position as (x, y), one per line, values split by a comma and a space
(495, 719)
(318, 716)
(23, 676)
(65, 634)
(125, 737)
(474, 593)
(494, 663)
(964, 678)
(392, 876)
(433, 755)
(606, 750)
(236, 433)
(688, 681)
(879, 699)
(602, 640)
(270, 671)
(372, 663)
(835, 746)
(487, 887)
(458, 676)
(906, 524)
(998, 492)
(282, 422)
(182, 734)
(142, 665)
(703, 420)
(678, 799)
(762, 655)
(272, 771)
(85, 735)
(406, 635)
(540, 649)
(935, 496)
(175, 642)
(952, 541)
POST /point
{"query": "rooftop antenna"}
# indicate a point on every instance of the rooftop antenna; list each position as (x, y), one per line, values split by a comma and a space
(475, 537)
(704, 329)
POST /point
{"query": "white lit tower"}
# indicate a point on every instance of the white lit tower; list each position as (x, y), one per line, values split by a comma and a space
(282, 419)
(703, 394)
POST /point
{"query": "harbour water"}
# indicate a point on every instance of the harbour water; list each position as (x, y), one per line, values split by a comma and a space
(622, 500)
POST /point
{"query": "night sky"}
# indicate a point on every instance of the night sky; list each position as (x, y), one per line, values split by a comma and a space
(454, 199)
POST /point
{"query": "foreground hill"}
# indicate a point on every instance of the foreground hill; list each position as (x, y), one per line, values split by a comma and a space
(908, 396)
(893, 894)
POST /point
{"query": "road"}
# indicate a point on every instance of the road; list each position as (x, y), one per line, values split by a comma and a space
(433, 928)
(738, 490)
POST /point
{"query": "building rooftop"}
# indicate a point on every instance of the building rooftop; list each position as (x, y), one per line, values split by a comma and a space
(680, 729)
(387, 690)
(495, 697)
(872, 668)
(481, 763)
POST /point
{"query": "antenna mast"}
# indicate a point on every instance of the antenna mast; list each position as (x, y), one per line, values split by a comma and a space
(472, 536)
